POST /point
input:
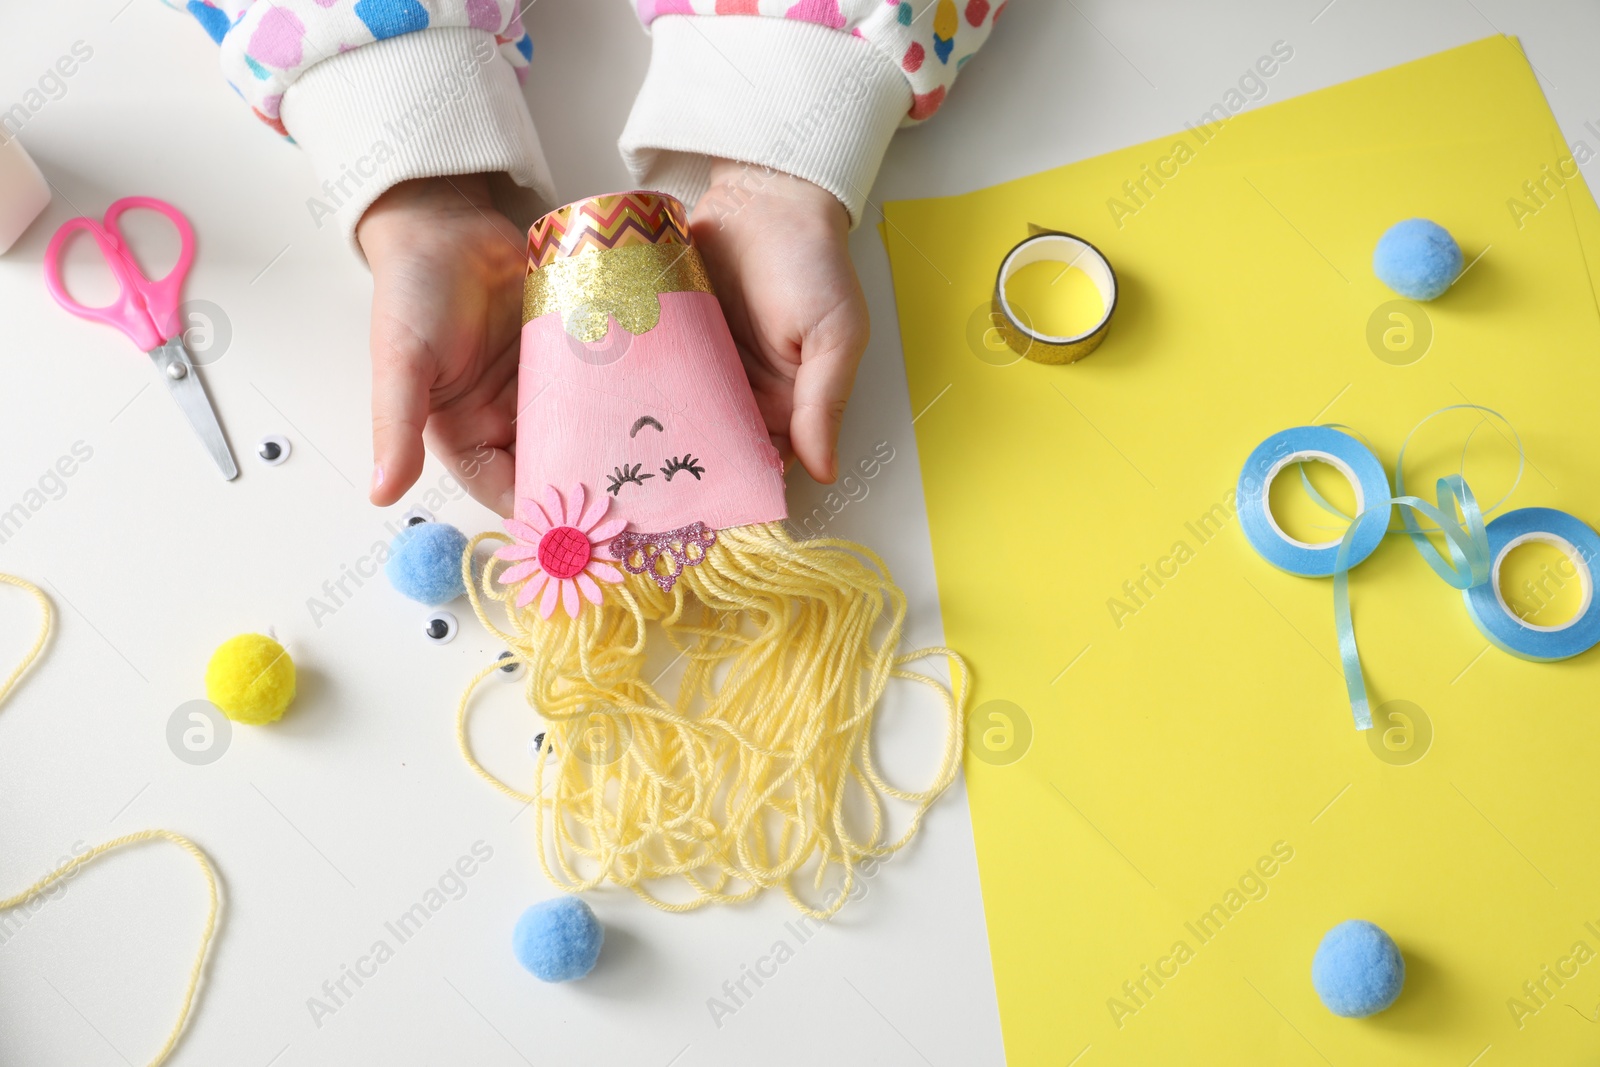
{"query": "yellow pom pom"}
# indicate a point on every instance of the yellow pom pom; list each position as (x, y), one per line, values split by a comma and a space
(251, 679)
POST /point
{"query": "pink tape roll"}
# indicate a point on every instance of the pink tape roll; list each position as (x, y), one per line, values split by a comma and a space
(23, 191)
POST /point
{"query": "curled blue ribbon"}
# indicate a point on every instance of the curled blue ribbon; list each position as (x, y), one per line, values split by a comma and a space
(1465, 538)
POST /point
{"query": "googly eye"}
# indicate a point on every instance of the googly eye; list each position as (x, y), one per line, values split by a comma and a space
(415, 516)
(273, 449)
(538, 743)
(440, 628)
(510, 666)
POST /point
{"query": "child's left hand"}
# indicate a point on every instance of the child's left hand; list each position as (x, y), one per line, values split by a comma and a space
(777, 250)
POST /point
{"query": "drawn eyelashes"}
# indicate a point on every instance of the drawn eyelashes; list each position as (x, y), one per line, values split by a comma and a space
(623, 475)
(685, 463)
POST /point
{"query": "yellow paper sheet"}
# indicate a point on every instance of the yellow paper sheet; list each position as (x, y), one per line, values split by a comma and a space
(1189, 750)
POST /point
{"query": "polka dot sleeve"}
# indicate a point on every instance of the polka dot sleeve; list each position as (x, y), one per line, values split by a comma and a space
(267, 45)
(930, 40)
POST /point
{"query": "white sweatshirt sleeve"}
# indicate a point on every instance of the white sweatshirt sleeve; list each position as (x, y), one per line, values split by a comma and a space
(380, 91)
(814, 88)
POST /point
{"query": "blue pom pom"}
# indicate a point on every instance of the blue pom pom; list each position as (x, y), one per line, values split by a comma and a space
(425, 562)
(1417, 259)
(558, 940)
(1358, 969)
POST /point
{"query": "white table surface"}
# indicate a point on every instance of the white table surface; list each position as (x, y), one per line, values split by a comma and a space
(342, 816)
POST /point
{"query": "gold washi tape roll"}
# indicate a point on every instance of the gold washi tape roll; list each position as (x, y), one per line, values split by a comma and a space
(1053, 246)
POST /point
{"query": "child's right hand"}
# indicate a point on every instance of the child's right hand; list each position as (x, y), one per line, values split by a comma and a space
(447, 272)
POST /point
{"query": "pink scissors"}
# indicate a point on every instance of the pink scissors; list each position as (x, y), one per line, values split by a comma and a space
(147, 311)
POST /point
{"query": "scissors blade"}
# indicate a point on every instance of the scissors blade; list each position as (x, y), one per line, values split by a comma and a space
(177, 370)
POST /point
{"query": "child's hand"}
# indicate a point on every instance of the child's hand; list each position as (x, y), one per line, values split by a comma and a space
(446, 312)
(447, 272)
(776, 247)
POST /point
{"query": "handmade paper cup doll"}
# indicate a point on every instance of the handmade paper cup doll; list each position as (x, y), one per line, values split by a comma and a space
(709, 681)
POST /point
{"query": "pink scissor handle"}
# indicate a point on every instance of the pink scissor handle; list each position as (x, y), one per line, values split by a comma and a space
(145, 310)
(161, 296)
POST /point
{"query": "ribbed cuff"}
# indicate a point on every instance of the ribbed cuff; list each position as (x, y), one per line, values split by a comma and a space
(781, 93)
(420, 105)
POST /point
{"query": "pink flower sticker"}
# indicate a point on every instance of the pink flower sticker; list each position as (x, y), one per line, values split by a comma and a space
(554, 550)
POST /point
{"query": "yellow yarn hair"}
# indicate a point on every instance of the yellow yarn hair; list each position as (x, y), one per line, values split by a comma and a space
(740, 779)
(67, 869)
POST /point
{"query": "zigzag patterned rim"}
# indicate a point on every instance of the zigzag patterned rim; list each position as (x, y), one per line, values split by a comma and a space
(602, 223)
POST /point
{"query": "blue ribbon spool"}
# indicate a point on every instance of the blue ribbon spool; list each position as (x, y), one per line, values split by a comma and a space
(1347, 455)
(1475, 550)
(1493, 616)
(1466, 539)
